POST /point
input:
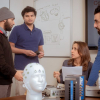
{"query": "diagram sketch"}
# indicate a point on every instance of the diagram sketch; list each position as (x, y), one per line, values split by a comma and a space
(49, 38)
(53, 18)
(54, 11)
(61, 25)
(44, 16)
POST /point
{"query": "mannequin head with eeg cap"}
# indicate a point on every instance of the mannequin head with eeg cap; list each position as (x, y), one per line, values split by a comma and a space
(34, 79)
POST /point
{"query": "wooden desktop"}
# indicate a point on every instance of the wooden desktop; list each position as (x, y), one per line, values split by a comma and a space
(23, 97)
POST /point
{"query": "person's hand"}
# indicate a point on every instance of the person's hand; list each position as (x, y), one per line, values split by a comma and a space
(30, 53)
(56, 74)
(86, 86)
(19, 76)
(41, 54)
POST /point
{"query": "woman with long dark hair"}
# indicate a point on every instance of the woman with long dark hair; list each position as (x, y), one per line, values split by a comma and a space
(80, 56)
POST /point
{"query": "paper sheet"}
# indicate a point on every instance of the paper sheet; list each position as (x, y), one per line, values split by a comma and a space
(71, 71)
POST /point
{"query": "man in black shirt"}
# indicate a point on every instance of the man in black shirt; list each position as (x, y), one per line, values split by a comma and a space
(7, 71)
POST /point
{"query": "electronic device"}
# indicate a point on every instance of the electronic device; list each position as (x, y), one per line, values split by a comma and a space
(92, 91)
(74, 87)
(50, 98)
(53, 92)
(37, 52)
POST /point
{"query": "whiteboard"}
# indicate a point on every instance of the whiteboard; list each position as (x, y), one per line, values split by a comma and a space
(54, 19)
(4, 3)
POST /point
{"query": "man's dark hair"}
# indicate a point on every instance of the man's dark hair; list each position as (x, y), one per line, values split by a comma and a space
(97, 10)
(28, 9)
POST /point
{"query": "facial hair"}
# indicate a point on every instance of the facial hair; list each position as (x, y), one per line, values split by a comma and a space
(29, 24)
(99, 32)
(7, 26)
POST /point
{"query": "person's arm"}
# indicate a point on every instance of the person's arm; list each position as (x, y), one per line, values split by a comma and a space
(57, 76)
(18, 75)
(95, 70)
(40, 49)
(8, 70)
(86, 81)
(58, 79)
(5, 68)
(90, 64)
(61, 74)
(21, 51)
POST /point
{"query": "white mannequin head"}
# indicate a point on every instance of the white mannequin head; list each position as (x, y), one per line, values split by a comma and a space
(34, 78)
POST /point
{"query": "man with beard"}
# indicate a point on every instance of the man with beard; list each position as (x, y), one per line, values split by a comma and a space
(96, 66)
(25, 40)
(7, 70)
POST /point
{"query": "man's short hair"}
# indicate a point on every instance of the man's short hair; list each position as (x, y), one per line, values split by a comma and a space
(28, 9)
(97, 10)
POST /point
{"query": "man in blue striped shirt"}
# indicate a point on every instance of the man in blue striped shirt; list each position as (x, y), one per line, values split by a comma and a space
(96, 66)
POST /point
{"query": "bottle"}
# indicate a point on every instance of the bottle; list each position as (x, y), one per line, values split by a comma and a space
(98, 81)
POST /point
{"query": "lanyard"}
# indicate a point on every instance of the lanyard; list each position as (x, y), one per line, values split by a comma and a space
(1, 32)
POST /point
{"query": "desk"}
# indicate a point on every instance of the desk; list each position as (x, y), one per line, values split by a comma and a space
(23, 97)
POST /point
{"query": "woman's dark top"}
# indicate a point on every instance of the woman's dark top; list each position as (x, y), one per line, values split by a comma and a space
(86, 73)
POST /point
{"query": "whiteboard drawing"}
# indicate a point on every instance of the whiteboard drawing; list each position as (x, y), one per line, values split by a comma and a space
(51, 39)
(44, 16)
(54, 19)
(61, 25)
(54, 11)
(48, 13)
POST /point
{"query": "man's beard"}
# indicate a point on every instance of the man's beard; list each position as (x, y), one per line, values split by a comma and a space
(7, 26)
(99, 32)
(29, 23)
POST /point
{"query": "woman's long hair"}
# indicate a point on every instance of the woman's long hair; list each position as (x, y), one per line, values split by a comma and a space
(84, 54)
